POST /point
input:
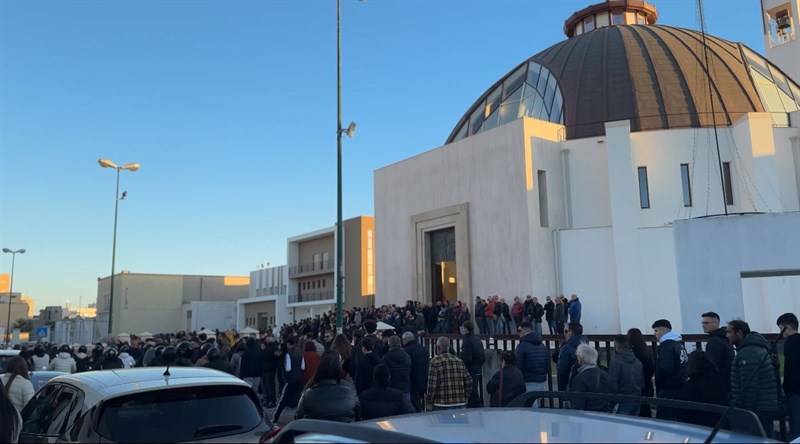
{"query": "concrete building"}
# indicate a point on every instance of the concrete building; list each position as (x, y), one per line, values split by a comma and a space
(19, 310)
(780, 20)
(311, 259)
(52, 313)
(572, 172)
(161, 303)
(266, 306)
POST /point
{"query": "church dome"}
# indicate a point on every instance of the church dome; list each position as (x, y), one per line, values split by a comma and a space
(653, 75)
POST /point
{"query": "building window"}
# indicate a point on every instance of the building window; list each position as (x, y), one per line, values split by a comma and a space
(644, 193)
(617, 17)
(686, 185)
(641, 19)
(542, 183)
(726, 171)
(588, 24)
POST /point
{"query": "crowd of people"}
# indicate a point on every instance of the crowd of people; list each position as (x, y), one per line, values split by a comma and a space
(366, 373)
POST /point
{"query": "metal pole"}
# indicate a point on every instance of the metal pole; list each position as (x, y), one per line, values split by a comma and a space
(10, 295)
(113, 259)
(339, 265)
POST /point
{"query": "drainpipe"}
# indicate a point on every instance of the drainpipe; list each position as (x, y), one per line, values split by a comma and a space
(567, 186)
(796, 151)
(557, 260)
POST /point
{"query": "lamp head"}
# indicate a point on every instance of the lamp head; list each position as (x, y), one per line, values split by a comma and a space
(130, 167)
(351, 129)
(105, 163)
(6, 250)
(21, 251)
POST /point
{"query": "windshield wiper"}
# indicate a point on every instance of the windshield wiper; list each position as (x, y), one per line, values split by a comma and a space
(216, 428)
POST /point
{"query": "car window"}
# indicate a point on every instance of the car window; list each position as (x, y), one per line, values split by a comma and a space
(182, 414)
(38, 409)
(64, 405)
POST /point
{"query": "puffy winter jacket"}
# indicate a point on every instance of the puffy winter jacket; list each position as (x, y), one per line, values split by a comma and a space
(63, 362)
(720, 352)
(329, 401)
(399, 364)
(81, 362)
(565, 359)
(532, 357)
(762, 394)
(627, 376)
(40, 363)
(383, 402)
(127, 360)
(19, 392)
(575, 311)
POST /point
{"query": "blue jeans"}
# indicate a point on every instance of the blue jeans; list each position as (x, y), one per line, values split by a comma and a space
(536, 387)
(628, 409)
(792, 403)
(537, 327)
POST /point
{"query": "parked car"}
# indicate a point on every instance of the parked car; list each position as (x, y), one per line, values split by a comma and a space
(188, 404)
(5, 355)
(43, 377)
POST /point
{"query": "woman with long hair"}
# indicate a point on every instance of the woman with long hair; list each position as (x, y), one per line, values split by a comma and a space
(645, 355)
(342, 346)
(10, 420)
(18, 387)
(326, 396)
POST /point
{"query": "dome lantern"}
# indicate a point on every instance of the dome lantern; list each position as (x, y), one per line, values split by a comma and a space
(610, 13)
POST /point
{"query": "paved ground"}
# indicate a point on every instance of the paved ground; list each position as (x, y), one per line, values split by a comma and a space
(287, 415)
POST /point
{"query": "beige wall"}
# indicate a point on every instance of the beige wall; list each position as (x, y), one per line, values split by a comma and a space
(153, 302)
(18, 310)
(255, 311)
(355, 261)
(307, 249)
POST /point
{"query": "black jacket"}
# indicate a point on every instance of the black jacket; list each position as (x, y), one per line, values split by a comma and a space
(295, 375)
(548, 310)
(513, 386)
(627, 376)
(358, 354)
(791, 365)
(472, 354)
(708, 389)
(271, 363)
(419, 365)
(329, 401)
(251, 363)
(399, 364)
(591, 380)
(720, 352)
(382, 402)
(219, 364)
(669, 366)
(365, 370)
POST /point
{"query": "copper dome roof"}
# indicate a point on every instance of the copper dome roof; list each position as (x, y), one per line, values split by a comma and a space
(652, 75)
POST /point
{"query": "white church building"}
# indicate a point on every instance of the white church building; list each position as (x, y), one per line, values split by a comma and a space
(617, 165)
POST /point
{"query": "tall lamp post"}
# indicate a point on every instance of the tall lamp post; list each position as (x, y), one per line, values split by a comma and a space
(349, 131)
(105, 163)
(11, 291)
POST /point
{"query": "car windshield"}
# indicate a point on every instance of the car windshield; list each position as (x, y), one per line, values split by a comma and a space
(182, 414)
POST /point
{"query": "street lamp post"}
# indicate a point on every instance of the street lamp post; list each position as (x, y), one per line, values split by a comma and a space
(349, 131)
(105, 163)
(11, 291)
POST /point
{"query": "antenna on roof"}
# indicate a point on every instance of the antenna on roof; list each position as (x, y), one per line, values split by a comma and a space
(167, 374)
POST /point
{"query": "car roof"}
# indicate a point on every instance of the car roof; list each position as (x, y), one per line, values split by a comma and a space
(105, 384)
(546, 425)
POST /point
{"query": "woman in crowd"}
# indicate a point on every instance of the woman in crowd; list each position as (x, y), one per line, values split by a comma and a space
(18, 387)
(10, 420)
(645, 355)
(327, 397)
(381, 400)
(311, 359)
(342, 346)
(507, 383)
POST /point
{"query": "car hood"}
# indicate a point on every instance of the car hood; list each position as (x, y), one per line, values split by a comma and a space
(541, 425)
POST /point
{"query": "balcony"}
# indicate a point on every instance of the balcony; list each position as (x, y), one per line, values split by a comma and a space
(312, 269)
(311, 297)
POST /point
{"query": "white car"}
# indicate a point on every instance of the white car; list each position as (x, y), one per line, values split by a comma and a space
(188, 404)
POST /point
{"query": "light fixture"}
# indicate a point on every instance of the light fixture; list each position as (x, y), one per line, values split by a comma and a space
(351, 130)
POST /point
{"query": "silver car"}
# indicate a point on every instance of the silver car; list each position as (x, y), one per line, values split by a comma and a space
(146, 405)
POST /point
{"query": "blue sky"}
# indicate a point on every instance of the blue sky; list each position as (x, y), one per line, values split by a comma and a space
(230, 108)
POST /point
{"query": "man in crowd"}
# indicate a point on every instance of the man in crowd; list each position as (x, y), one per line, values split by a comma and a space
(419, 369)
(473, 355)
(271, 360)
(549, 309)
(251, 367)
(565, 356)
(449, 383)
(532, 359)
(627, 375)
(787, 322)
(370, 326)
(398, 362)
(538, 312)
(480, 316)
(503, 315)
(489, 313)
(575, 309)
(670, 364)
(293, 366)
(517, 312)
(761, 395)
(366, 366)
(718, 350)
(590, 378)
